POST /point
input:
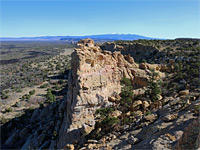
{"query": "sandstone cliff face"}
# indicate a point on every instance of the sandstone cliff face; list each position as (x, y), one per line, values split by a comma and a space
(94, 77)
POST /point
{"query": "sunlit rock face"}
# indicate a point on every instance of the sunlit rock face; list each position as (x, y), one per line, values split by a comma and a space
(94, 77)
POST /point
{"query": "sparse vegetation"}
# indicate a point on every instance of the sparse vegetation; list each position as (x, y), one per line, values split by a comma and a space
(50, 96)
(9, 109)
(126, 94)
(32, 92)
(153, 89)
(44, 85)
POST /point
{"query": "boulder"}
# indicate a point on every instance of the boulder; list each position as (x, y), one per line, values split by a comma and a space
(129, 59)
(184, 92)
(112, 99)
(151, 117)
(85, 43)
(86, 129)
(171, 137)
(138, 113)
(132, 140)
(136, 105)
(69, 147)
(178, 134)
(145, 104)
(170, 117)
(116, 113)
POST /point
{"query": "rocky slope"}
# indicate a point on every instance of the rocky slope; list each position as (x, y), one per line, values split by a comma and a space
(156, 51)
(93, 83)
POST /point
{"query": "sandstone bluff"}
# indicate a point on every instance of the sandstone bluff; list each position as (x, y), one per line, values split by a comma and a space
(95, 76)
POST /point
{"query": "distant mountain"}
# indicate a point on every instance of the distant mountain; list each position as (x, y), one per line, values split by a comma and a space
(111, 37)
(103, 37)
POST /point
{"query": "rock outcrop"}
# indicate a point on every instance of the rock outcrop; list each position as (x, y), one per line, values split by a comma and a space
(95, 76)
(137, 51)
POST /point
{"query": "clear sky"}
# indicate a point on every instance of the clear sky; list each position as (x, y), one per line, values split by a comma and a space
(158, 19)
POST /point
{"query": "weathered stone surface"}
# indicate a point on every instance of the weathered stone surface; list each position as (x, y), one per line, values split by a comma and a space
(94, 79)
(184, 92)
(170, 117)
(69, 147)
(138, 113)
(132, 140)
(116, 113)
(136, 105)
(112, 99)
(178, 134)
(171, 137)
(85, 43)
(145, 104)
(87, 129)
(151, 117)
(150, 66)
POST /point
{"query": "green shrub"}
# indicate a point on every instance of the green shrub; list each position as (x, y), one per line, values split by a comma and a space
(44, 85)
(126, 82)
(127, 120)
(18, 90)
(126, 94)
(9, 109)
(50, 96)
(147, 113)
(153, 89)
(144, 61)
(28, 96)
(57, 87)
(54, 133)
(4, 95)
(104, 112)
(197, 108)
(32, 92)
(60, 81)
(110, 121)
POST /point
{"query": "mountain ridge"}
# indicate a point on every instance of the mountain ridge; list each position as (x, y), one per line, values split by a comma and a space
(105, 37)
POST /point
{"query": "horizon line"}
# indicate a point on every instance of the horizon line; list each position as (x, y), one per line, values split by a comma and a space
(92, 35)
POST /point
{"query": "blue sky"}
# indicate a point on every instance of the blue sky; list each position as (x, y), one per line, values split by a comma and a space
(158, 19)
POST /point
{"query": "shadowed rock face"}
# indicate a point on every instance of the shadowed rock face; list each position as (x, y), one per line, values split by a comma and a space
(191, 137)
(94, 77)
